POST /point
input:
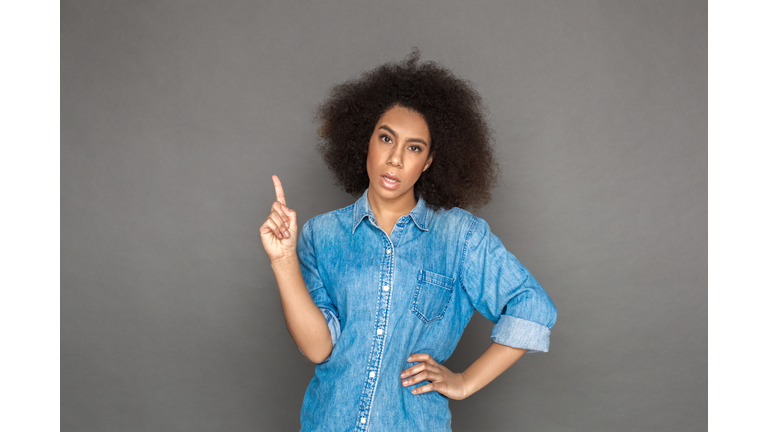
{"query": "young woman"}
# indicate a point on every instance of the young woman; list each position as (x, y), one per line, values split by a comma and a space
(378, 293)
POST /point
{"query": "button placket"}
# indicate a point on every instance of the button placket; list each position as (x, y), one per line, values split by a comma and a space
(382, 316)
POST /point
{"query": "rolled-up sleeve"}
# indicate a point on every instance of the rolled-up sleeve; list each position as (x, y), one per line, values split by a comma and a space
(505, 292)
(314, 283)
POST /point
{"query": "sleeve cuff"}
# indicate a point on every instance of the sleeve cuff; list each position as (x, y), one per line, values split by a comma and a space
(520, 333)
(333, 324)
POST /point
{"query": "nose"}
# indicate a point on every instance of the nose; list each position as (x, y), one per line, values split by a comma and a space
(395, 157)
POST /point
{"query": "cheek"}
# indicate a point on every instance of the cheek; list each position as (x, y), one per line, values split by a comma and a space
(370, 162)
(418, 169)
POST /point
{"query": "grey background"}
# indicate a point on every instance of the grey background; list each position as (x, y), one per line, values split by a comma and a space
(175, 114)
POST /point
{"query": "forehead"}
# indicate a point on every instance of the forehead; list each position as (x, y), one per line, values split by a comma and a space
(405, 121)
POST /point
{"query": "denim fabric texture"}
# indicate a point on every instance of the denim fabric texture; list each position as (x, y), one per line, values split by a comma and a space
(386, 297)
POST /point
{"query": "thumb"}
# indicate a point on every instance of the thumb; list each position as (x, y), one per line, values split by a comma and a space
(292, 220)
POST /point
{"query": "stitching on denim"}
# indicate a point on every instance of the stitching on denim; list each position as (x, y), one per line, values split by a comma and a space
(422, 279)
(311, 235)
(386, 262)
(388, 303)
(437, 279)
(422, 225)
(464, 254)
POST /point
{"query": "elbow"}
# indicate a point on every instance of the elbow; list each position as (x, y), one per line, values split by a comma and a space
(319, 356)
(549, 313)
(315, 358)
(545, 309)
(534, 305)
(319, 352)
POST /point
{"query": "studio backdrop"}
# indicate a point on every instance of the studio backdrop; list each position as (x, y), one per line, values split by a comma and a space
(174, 115)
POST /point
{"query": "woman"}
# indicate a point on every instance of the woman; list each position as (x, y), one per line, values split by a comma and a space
(378, 293)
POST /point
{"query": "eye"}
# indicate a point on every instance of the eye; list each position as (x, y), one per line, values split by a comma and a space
(386, 139)
(415, 148)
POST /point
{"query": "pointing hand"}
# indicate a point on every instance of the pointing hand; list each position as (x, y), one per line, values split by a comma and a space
(280, 230)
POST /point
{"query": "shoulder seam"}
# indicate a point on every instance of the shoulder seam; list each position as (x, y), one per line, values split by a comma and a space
(464, 250)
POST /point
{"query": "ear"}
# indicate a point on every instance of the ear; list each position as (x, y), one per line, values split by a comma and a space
(428, 163)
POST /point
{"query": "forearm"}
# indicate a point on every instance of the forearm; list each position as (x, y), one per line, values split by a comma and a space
(306, 323)
(495, 360)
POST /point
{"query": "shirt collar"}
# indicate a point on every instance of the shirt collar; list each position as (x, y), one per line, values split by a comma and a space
(419, 214)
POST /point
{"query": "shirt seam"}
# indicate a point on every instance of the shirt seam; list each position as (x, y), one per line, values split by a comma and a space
(314, 252)
(464, 253)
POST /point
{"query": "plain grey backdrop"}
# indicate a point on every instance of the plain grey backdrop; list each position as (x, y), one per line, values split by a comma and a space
(174, 114)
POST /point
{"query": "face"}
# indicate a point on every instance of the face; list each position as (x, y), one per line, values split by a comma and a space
(398, 153)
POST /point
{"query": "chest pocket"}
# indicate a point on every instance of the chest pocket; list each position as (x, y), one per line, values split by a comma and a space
(433, 293)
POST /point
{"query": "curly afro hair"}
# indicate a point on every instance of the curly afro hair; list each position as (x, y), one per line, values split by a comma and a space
(463, 169)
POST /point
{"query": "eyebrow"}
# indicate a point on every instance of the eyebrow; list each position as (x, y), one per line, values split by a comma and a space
(419, 140)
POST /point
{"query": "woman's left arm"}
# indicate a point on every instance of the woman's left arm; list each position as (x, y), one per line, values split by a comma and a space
(495, 360)
(503, 291)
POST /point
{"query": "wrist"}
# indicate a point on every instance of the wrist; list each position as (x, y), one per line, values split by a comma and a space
(466, 391)
(288, 260)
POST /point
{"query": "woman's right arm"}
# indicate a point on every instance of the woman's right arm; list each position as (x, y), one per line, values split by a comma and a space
(305, 321)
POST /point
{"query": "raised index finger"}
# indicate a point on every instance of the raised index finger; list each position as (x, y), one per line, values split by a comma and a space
(279, 190)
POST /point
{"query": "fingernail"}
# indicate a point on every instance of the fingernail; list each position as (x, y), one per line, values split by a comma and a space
(287, 233)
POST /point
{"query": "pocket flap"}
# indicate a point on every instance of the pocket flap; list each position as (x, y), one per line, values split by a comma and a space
(436, 279)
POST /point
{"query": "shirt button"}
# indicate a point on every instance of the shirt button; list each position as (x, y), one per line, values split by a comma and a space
(362, 420)
(389, 251)
(372, 375)
(386, 288)
(379, 332)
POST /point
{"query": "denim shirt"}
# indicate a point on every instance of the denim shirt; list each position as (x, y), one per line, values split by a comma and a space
(386, 297)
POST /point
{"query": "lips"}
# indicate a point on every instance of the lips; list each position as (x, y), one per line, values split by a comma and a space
(389, 181)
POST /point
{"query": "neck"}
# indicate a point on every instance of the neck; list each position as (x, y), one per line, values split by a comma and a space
(387, 212)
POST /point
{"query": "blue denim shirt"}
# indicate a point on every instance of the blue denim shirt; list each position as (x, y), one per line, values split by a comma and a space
(386, 297)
